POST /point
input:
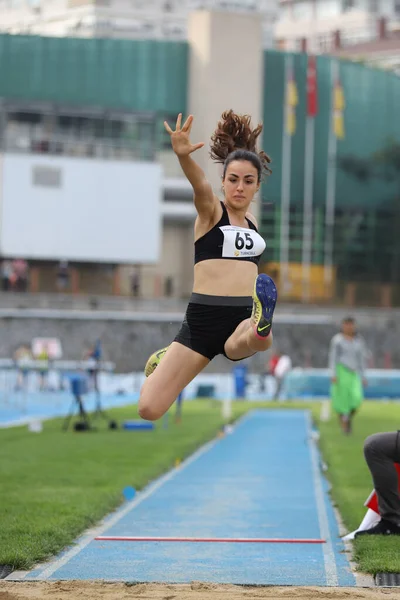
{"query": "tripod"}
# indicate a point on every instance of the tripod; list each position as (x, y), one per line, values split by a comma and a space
(84, 417)
(79, 386)
(98, 411)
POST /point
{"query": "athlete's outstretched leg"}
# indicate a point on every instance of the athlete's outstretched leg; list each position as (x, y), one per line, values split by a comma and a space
(254, 334)
(178, 367)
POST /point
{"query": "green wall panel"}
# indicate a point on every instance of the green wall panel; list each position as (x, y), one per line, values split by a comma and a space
(273, 119)
(120, 74)
(371, 118)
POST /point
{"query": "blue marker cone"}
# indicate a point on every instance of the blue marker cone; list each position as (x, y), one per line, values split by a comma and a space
(129, 492)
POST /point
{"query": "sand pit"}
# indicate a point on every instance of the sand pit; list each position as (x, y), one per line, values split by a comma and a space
(80, 590)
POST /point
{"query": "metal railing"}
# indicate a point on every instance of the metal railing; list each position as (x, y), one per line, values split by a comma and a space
(56, 144)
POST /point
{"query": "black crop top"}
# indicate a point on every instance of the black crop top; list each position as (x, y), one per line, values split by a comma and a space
(230, 242)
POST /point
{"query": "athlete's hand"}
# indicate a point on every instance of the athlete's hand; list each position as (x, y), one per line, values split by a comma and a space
(333, 379)
(180, 141)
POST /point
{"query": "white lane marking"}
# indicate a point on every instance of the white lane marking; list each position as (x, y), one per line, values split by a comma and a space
(323, 521)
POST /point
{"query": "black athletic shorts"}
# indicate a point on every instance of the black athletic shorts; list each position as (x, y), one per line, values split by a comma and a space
(210, 320)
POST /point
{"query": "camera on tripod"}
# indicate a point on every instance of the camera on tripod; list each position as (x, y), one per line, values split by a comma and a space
(80, 387)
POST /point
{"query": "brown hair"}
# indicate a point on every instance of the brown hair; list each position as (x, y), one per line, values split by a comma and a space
(234, 139)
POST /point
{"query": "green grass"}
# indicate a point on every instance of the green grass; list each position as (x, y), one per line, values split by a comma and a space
(56, 484)
(53, 485)
(351, 480)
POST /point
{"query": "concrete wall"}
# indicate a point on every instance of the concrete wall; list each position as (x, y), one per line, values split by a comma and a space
(176, 263)
(129, 343)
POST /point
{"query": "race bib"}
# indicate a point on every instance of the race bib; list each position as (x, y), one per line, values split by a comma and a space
(241, 242)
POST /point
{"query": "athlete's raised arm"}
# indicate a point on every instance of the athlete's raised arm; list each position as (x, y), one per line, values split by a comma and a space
(204, 199)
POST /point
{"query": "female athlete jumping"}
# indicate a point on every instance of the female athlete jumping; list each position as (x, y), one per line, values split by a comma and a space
(231, 308)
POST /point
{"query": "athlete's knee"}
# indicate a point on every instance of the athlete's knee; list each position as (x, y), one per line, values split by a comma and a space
(147, 410)
(372, 446)
(148, 413)
(150, 405)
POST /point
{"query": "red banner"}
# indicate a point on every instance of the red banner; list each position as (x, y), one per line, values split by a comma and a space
(312, 95)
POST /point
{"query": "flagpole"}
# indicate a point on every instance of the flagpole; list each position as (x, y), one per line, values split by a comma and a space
(285, 183)
(308, 207)
(330, 182)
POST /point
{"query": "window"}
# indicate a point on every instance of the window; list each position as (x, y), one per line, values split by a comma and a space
(144, 4)
(328, 8)
(114, 136)
(325, 42)
(348, 5)
(285, 12)
(301, 44)
(46, 176)
(302, 11)
(197, 4)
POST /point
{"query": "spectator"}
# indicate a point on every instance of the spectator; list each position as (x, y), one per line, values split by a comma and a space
(135, 283)
(22, 357)
(62, 281)
(6, 274)
(168, 286)
(93, 356)
(282, 368)
(269, 369)
(273, 361)
(43, 370)
(20, 275)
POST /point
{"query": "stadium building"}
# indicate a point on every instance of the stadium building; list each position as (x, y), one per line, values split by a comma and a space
(82, 141)
(366, 31)
(130, 19)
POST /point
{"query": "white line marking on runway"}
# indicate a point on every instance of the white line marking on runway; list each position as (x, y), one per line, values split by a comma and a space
(327, 549)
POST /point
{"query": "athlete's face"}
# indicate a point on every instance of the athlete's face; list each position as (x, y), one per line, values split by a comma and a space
(240, 183)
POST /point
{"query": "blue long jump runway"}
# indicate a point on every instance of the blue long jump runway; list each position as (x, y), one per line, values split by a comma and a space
(262, 481)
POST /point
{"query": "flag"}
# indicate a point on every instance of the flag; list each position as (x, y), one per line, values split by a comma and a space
(292, 101)
(338, 108)
(312, 109)
(312, 94)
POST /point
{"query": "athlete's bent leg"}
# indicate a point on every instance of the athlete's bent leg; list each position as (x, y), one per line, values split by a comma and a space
(178, 367)
(254, 334)
(244, 343)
